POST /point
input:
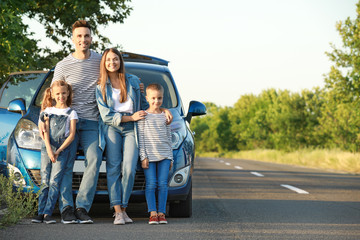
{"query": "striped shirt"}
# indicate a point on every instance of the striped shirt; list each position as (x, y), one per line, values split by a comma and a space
(155, 138)
(83, 75)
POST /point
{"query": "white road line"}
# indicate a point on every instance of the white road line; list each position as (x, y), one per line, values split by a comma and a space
(298, 190)
(227, 164)
(238, 167)
(257, 174)
(221, 161)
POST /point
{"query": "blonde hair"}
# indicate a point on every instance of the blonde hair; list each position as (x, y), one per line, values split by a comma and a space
(155, 87)
(48, 101)
(104, 75)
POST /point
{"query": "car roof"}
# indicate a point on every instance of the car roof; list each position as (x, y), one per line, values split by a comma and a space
(134, 57)
(26, 72)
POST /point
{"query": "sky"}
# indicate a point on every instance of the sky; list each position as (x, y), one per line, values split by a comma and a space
(220, 50)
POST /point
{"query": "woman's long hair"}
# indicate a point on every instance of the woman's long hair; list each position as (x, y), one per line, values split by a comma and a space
(104, 75)
(48, 101)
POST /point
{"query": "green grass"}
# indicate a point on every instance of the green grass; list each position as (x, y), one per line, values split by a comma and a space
(335, 160)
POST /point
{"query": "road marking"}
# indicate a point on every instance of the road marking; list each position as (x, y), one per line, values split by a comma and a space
(227, 164)
(221, 161)
(238, 167)
(298, 190)
(257, 174)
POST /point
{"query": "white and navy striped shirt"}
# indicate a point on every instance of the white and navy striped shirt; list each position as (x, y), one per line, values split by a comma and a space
(83, 75)
(155, 138)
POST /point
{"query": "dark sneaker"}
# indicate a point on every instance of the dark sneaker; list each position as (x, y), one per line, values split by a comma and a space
(82, 216)
(67, 216)
(49, 220)
(38, 218)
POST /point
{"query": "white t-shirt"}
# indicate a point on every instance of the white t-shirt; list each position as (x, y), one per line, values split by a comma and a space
(63, 111)
(126, 106)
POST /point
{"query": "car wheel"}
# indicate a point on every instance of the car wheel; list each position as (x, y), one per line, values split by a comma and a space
(182, 208)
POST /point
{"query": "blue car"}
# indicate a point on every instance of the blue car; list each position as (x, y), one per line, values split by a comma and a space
(20, 143)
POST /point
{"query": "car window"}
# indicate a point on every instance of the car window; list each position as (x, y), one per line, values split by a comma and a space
(46, 84)
(21, 86)
(150, 76)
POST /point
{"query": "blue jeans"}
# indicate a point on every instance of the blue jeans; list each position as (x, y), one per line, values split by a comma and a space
(87, 135)
(156, 177)
(51, 177)
(121, 159)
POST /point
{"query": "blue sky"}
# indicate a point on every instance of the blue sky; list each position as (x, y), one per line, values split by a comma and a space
(220, 50)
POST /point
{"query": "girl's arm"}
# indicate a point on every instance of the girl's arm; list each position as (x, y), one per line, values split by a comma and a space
(47, 141)
(69, 139)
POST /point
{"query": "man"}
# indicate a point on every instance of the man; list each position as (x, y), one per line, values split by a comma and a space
(81, 70)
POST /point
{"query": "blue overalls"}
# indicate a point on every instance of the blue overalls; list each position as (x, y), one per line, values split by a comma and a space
(52, 173)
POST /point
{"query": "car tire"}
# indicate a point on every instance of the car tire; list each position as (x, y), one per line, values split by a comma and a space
(182, 208)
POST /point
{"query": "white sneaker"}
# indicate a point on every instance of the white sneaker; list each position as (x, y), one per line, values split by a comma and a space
(119, 218)
(126, 217)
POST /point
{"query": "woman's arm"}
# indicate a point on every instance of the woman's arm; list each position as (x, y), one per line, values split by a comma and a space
(108, 115)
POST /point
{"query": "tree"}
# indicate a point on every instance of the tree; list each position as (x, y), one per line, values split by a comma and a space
(340, 119)
(19, 51)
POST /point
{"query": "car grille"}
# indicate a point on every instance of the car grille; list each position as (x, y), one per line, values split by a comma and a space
(101, 185)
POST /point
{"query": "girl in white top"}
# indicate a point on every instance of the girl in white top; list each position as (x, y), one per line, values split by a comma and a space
(60, 123)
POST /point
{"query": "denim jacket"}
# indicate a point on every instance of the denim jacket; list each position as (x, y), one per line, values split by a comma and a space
(110, 117)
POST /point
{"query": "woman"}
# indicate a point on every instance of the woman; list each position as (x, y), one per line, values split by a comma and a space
(121, 104)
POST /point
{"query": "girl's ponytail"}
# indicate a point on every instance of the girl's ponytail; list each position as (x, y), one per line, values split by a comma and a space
(47, 100)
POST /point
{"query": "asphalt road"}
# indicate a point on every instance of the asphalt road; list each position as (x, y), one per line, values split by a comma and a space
(234, 199)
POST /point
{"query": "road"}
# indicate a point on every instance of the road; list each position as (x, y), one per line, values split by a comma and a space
(234, 199)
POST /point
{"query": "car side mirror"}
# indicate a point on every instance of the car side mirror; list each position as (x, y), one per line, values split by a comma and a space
(17, 105)
(195, 109)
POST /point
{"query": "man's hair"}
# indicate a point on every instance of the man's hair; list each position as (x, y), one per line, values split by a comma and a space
(156, 87)
(81, 23)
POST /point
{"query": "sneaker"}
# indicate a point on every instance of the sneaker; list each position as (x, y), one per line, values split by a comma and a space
(154, 220)
(82, 216)
(38, 218)
(126, 217)
(162, 219)
(49, 220)
(67, 216)
(119, 218)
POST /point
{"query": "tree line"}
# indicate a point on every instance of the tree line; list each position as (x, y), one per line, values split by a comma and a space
(327, 117)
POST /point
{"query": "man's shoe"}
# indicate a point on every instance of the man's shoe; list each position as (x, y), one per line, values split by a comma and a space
(119, 218)
(49, 220)
(153, 220)
(38, 219)
(82, 216)
(67, 216)
(126, 217)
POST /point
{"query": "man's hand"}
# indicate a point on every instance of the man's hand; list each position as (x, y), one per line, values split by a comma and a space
(145, 163)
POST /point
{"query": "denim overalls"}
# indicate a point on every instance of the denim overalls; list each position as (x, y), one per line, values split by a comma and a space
(52, 173)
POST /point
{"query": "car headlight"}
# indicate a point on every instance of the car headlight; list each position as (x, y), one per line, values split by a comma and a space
(27, 135)
(18, 177)
(180, 177)
(178, 134)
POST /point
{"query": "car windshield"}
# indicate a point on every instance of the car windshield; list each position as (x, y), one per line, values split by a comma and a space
(150, 76)
(46, 84)
(21, 86)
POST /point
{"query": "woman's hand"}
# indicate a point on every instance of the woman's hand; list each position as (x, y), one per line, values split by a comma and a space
(168, 115)
(138, 115)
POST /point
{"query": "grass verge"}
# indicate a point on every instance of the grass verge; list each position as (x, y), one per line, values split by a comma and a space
(335, 160)
(17, 203)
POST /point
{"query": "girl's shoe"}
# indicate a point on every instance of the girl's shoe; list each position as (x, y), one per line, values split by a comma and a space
(119, 218)
(154, 220)
(162, 219)
(126, 218)
(38, 218)
(49, 220)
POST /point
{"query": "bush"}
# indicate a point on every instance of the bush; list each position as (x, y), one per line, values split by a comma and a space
(18, 203)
